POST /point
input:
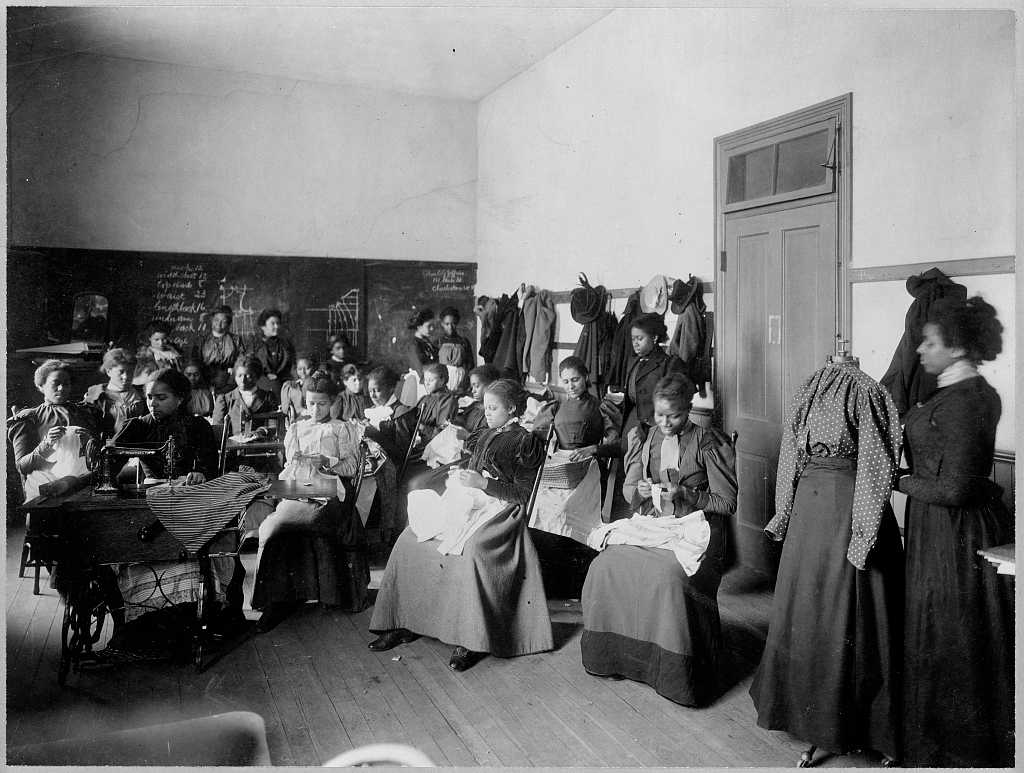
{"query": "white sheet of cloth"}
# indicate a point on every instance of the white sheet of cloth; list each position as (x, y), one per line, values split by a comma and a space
(445, 448)
(451, 518)
(67, 457)
(574, 512)
(687, 537)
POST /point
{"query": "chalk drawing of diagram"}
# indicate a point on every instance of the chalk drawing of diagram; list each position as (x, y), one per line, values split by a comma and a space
(339, 317)
(244, 322)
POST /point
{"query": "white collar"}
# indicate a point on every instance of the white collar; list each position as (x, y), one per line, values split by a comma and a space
(961, 370)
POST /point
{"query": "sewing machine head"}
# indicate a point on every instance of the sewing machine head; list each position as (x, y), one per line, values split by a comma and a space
(112, 458)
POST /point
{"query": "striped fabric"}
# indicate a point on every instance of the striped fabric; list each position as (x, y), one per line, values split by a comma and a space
(194, 514)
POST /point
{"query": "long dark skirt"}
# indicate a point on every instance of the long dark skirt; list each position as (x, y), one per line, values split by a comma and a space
(645, 620)
(958, 699)
(830, 670)
(312, 552)
(489, 599)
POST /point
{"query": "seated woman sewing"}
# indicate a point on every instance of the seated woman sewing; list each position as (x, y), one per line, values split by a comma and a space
(143, 588)
(48, 440)
(569, 498)
(475, 582)
(312, 550)
(390, 424)
(650, 600)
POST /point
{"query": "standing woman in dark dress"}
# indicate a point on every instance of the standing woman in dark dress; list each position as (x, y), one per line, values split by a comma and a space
(958, 653)
(650, 365)
(421, 350)
(276, 354)
(829, 674)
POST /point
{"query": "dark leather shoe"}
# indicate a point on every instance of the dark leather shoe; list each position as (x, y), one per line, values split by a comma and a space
(463, 659)
(390, 639)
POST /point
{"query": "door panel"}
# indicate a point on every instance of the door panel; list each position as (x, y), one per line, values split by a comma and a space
(779, 317)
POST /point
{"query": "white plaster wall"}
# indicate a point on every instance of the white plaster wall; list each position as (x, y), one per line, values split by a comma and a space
(123, 154)
(883, 306)
(600, 157)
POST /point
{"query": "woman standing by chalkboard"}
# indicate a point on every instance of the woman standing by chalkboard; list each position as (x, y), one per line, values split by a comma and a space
(421, 350)
(218, 350)
(276, 354)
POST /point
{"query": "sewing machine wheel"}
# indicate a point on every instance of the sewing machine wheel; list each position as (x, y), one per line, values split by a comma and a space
(92, 454)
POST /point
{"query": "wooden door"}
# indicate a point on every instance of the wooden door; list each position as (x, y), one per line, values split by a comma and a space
(778, 326)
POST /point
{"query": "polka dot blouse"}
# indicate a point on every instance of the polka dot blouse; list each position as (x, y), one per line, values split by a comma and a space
(841, 412)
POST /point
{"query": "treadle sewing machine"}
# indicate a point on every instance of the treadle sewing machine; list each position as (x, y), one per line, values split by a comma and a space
(87, 531)
(104, 462)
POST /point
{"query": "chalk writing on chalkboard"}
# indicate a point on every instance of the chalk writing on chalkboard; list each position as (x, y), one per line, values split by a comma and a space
(243, 323)
(448, 281)
(339, 317)
(180, 299)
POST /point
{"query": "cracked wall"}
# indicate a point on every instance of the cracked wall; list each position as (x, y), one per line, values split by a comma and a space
(121, 154)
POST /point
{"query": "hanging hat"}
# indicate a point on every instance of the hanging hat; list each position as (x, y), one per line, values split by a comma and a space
(654, 295)
(586, 303)
(683, 293)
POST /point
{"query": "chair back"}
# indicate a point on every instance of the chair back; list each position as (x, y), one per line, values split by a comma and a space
(549, 437)
(412, 441)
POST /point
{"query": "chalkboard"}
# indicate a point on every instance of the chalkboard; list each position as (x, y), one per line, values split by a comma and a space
(397, 289)
(369, 301)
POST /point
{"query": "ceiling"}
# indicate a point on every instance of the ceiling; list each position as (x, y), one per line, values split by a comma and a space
(451, 52)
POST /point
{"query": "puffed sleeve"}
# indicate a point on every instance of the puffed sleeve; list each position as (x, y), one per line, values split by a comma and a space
(474, 439)
(23, 432)
(879, 439)
(632, 462)
(347, 437)
(529, 455)
(545, 417)
(719, 460)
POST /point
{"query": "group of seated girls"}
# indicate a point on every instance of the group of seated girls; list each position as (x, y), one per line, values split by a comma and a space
(464, 568)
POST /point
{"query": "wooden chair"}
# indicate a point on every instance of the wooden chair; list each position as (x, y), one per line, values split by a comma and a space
(15, 496)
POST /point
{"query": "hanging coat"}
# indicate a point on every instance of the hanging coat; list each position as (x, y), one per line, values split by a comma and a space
(595, 346)
(486, 309)
(491, 338)
(509, 355)
(905, 379)
(621, 353)
(690, 336)
(539, 317)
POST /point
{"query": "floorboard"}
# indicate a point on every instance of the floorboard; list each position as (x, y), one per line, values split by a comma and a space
(321, 692)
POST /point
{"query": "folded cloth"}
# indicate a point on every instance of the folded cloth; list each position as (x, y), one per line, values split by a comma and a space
(194, 514)
(687, 537)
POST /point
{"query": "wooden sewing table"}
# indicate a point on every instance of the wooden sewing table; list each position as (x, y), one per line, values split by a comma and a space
(83, 533)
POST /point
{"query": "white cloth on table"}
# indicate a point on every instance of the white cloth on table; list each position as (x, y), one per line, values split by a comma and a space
(687, 537)
(453, 517)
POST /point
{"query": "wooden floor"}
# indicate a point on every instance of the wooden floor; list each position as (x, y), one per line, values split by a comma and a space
(321, 692)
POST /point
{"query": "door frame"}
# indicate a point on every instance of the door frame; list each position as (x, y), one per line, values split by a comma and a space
(841, 109)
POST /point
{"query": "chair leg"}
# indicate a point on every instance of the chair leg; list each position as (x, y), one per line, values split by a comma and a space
(35, 584)
(24, 560)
